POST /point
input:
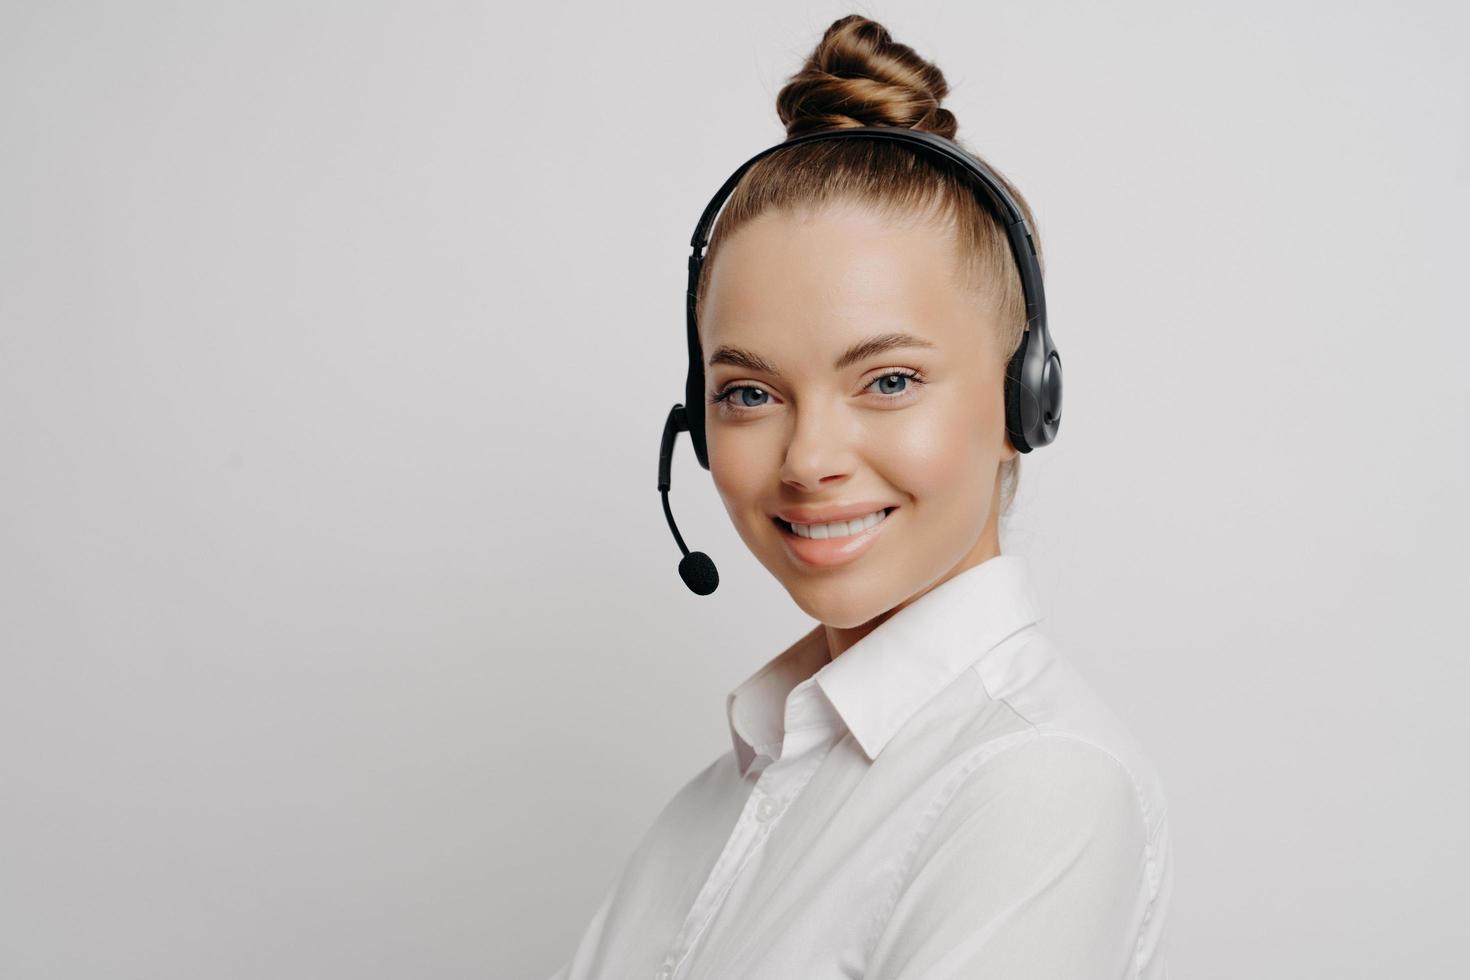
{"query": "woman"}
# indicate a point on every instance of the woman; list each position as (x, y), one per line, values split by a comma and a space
(922, 786)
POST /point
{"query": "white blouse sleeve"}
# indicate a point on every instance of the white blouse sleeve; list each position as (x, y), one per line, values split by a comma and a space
(1035, 868)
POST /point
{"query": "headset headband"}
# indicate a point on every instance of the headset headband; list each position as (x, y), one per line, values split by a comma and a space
(1003, 205)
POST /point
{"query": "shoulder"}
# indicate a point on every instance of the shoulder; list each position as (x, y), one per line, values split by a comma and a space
(1055, 810)
(1045, 763)
(1059, 733)
(1042, 828)
(1064, 781)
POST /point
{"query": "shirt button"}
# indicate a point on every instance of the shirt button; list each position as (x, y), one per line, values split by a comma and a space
(664, 973)
(766, 809)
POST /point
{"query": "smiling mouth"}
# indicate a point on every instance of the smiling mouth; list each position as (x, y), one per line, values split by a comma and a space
(834, 530)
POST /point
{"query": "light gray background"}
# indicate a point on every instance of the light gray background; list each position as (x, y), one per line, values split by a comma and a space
(340, 632)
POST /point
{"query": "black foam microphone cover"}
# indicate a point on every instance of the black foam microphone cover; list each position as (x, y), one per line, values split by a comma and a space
(695, 568)
(699, 573)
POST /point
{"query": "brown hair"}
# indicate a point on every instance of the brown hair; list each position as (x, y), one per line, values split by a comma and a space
(859, 76)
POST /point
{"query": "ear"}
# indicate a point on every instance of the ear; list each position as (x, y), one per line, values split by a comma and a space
(1009, 452)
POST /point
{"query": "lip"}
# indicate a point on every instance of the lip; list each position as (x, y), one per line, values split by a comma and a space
(831, 512)
(830, 552)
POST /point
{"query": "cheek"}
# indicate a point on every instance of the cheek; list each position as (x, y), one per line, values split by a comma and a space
(734, 463)
(939, 453)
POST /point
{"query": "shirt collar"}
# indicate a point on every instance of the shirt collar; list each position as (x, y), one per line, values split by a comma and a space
(880, 681)
(757, 709)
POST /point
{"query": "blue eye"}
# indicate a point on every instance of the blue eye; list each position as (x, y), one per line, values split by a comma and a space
(894, 386)
(724, 396)
(887, 377)
(746, 404)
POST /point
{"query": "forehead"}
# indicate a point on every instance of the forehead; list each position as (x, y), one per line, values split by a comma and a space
(811, 282)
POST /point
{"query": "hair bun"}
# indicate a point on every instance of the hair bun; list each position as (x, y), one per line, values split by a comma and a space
(859, 76)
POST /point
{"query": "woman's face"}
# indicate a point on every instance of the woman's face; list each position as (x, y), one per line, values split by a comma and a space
(803, 430)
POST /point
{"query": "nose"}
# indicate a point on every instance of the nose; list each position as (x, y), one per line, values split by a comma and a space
(820, 449)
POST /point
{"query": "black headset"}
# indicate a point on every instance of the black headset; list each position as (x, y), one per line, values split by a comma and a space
(1033, 380)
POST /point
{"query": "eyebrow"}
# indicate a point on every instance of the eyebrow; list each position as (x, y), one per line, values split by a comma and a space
(863, 349)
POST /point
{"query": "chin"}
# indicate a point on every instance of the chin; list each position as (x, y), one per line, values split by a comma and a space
(842, 602)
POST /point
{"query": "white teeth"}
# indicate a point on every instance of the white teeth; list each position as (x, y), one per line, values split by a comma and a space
(838, 529)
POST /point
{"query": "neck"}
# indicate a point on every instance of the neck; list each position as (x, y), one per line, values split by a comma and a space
(987, 546)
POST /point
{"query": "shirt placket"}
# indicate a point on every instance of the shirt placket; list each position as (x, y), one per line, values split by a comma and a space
(778, 784)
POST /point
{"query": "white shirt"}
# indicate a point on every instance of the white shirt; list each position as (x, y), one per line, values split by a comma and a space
(946, 799)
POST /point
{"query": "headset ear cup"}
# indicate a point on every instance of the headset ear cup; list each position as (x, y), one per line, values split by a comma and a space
(694, 411)
(696, 436)
(696, 433)
(1013, 387)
